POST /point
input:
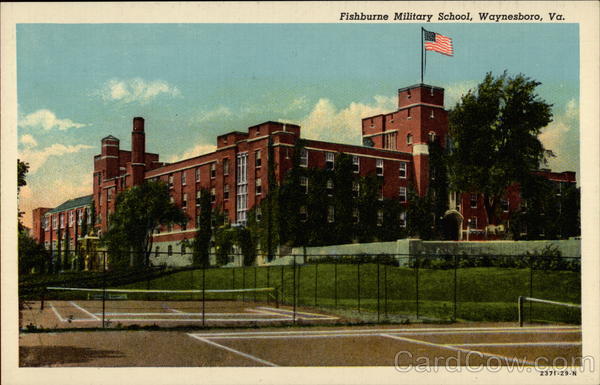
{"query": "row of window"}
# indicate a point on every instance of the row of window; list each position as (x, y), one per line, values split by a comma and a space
(504, 203)
(75, 215)
(303, 211)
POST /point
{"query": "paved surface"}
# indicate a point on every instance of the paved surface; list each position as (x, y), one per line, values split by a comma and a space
(501, 344)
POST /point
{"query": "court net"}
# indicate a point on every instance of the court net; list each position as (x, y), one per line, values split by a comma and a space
(140, 298)
(543, 311)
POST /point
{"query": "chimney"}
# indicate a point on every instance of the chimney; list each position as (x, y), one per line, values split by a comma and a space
(138, 151)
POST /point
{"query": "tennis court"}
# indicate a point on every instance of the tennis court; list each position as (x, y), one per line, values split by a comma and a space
(409, 345)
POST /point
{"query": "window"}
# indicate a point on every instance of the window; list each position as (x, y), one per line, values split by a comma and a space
(79, 216)
(304, 158)
(197, 221)
(226, 166)
(213, 170)
(409, 139)
(169, 250)
(100, 198)
(226, 217)
(198, 194)
(171, 181)
(431, 91)
(213, 195)
(505, 205)
(330, 214)
(431, 136)
(184, 201)
(304, 183)
(381, 192)
(379, 217)
(403, 170)
(355, 189)
(171, 199)
(473, 222)
(329, 160)
(71, 218)
(226, 192)
(258, 214)
(258, 161)
(109, 195)
(258, 186)
(303, 214)
(473, 201)
(402, 196)
(432, 114)
(408, 94)
(329, 187)
(379, 167)
(197, 174)
(355, 164)
(89, 215)
(402, 219)
(257, 131)
(183, 178)
(54, 222)
(242, 188)
(355, 215)
(62, 221)
(408, 114)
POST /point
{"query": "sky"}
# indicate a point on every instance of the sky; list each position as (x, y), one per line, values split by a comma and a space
(78, 83)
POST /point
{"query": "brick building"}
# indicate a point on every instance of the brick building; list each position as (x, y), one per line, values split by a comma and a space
(395, 147)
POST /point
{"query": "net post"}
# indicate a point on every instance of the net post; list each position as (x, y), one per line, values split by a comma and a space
(385, 291)
(335, 282)
(520, 311)
(531, 286)
(204, 292)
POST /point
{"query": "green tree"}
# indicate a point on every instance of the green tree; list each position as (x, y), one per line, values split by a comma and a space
(22, 170)
(201, 245)
(32, 255)
(494, 132)
(343, 200)
(139, 211)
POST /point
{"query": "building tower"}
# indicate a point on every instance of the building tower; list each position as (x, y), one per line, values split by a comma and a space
(138, 151)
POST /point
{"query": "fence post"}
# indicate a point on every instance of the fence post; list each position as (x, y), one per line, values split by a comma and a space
(204, 293)
(520, 311)
(316, 279)
(385, 291)
(103, 289)
(417, 283)
(294, 291)
(255, 283)
(531, 286)
(298, 281)
(358, 284)
(378, 284)
(455, 286)
(335, 291)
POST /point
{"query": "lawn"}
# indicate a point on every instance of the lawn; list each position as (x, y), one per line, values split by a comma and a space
(482, 294)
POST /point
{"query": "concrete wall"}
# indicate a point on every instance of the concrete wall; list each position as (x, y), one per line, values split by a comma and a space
(404, 247)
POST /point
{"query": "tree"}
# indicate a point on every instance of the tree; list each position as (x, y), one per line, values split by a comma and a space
(22, 170)
(32, 255)
(139, 211)
(494, 132)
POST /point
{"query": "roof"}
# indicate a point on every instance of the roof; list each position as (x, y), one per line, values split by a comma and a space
(419, 85)
(72, 203)
(110, 137)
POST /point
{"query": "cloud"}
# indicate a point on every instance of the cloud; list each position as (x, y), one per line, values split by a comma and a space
(28, 141)
(47, 120)
(327, 122)
(296, 104)
(219, 112)
(37, 158)
(562, 137)
(192, 152)
(453, 92)
(136, 90)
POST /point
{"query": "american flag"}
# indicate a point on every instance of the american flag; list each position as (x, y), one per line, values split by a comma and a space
(439, 43)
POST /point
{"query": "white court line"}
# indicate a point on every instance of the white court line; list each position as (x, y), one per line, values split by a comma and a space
(171, 309)
(234, 351)
(468, 351)
(83, 310)
(404, 331)
(293, 336)
(269, 313)
(555, 343)
(179, 314)
(299, 314)
(198, 319)
(60, 318)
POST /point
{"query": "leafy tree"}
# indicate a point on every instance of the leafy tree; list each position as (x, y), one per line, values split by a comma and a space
(22, 170)
(201, 245)
(32, 255)
(420, 215)
(139, 211)
(494, 131)
(343, 200)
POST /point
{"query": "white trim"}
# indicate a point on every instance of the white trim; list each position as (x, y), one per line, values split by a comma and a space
(109, 157)
(364, 155)
(110, 144)
(380, 133)
(246, 355)
(138, 164)
(179, 169)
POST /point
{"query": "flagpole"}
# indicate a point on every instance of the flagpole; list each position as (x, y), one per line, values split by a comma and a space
(422, 29)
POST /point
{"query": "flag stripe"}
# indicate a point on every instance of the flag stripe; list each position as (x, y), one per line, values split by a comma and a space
(438, 43)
